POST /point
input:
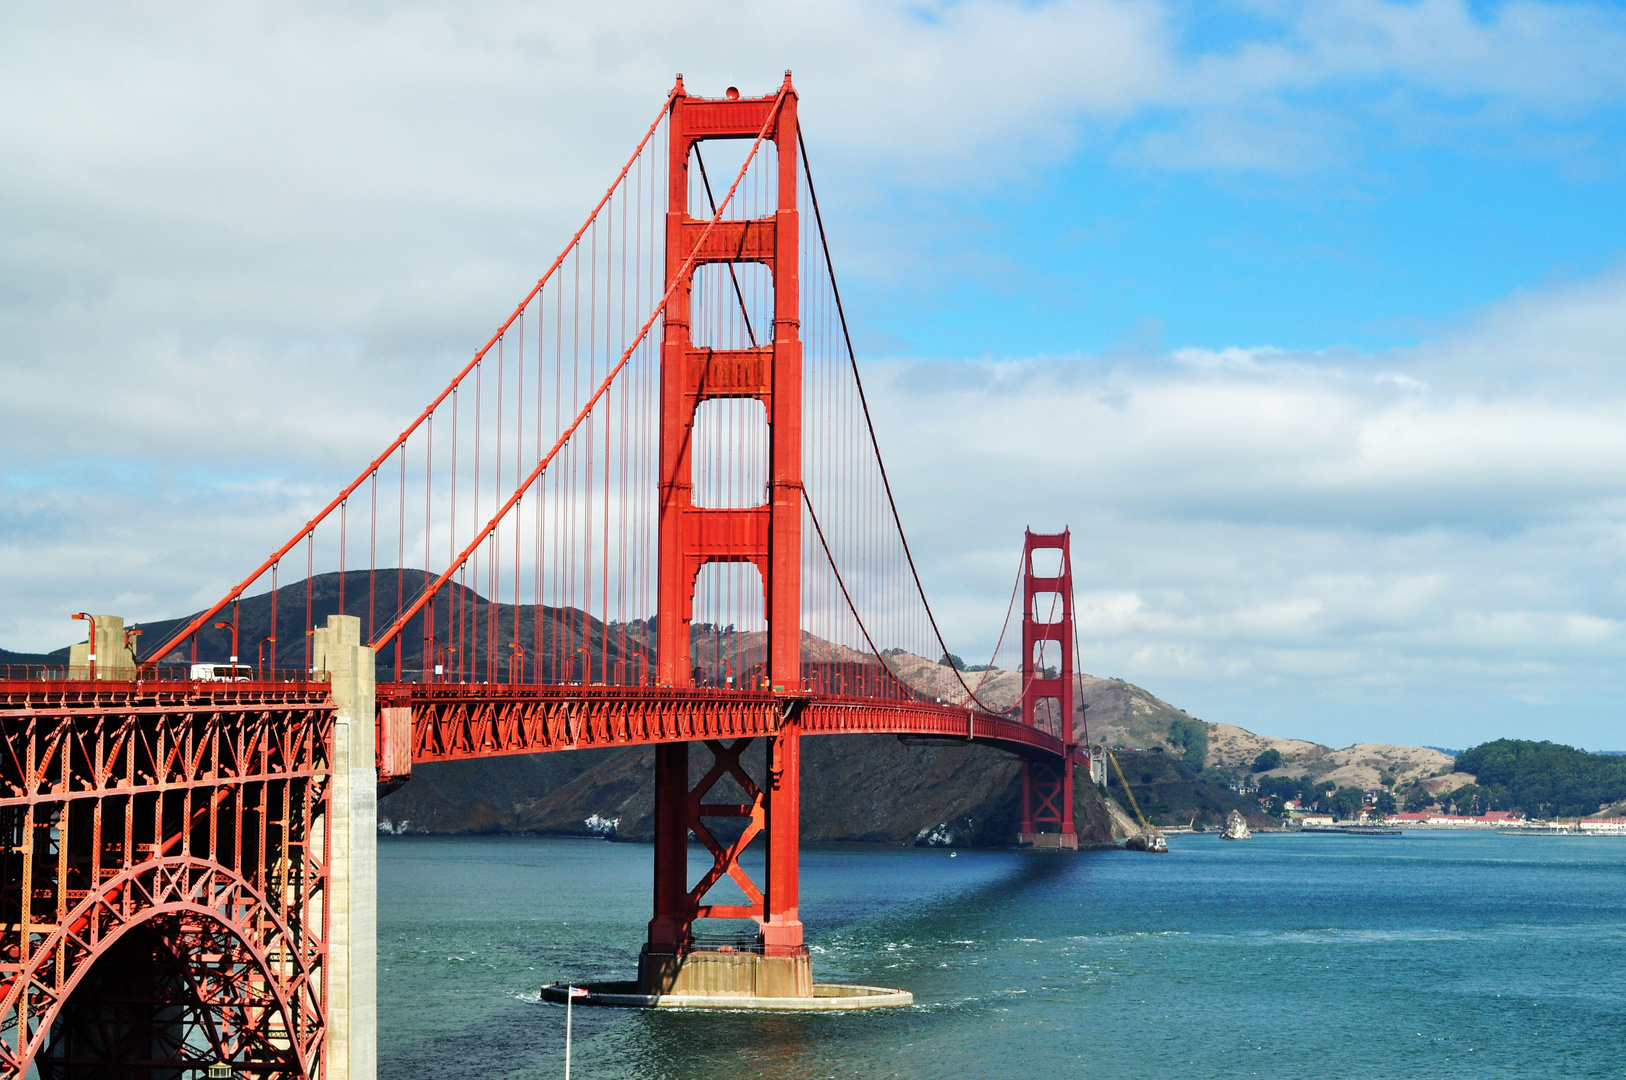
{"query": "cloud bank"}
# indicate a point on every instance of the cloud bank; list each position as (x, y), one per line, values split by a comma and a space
(1430, 536)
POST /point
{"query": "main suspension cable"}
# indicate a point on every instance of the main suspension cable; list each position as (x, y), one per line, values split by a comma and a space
(863, 402)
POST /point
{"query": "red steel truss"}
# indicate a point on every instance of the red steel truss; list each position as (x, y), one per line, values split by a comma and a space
(162, 853)
(1047, 691)
(455, 722)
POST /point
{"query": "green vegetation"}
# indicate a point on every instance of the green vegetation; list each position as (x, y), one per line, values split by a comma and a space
(953, 660)
(1267, 760)
(1318, 795)
(1469, 799)
(1345, 803)
(1190, 736)
(1280, 790)
(1543, 779)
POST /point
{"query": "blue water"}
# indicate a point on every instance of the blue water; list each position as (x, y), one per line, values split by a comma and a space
(1430, 956)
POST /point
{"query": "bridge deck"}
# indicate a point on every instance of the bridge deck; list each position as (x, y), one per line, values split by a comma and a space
(457, 721)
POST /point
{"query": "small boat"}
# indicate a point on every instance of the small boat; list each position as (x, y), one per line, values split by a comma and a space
(1147, 841)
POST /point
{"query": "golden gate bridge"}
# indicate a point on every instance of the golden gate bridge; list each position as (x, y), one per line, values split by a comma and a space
(650, 510)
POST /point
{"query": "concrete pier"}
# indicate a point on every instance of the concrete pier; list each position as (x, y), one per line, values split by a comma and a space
(1049, 841)
(730, 973)
(826, 997)
(352, 965)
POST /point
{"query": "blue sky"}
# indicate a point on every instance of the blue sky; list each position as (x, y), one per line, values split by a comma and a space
(1366, 211)
(1095, 253)
(1310, 318)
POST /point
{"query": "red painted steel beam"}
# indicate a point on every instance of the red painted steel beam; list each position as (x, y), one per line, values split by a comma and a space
(459, 722)
(191, 813)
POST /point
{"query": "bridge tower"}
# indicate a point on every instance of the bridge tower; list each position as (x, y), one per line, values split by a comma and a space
(1047, 690)
(767, 536)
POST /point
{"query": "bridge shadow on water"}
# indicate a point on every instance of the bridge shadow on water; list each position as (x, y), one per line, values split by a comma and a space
(911, 918)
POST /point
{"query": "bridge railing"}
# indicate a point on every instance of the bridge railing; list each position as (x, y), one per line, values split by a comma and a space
(153, 673)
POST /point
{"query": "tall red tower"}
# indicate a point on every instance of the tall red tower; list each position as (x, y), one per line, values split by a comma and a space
(1047, 689)
(767, 536)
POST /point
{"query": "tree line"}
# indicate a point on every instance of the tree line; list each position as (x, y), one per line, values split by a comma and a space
(1542, 779)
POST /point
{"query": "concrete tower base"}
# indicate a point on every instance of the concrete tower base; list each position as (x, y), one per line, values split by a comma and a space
(726, 974)
(1049, 841)
(826, 997)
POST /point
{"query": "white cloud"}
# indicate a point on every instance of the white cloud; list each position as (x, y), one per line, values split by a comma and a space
(1268, 519)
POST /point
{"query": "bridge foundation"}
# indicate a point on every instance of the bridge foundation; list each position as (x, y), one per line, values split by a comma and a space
(719, 973)
(352, 1004)
(1049, 841)
(772, 961)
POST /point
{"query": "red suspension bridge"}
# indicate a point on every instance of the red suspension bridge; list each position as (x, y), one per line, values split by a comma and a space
(652, 509)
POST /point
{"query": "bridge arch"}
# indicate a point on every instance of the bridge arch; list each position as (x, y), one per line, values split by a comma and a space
(239, 957)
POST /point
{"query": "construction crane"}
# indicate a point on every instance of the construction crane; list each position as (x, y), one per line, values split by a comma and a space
(1149, 839)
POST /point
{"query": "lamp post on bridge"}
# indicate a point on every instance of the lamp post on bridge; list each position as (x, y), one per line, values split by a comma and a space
(259, 663)
(436, 651)
(232, 626)
(91, 619)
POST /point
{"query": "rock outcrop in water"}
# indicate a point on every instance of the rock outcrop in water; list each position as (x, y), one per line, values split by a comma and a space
(1236, 828)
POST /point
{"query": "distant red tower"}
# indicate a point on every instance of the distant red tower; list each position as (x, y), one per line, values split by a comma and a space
(767, 536)
(1047, 691)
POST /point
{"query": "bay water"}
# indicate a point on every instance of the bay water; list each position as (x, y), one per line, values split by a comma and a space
(1433, 955)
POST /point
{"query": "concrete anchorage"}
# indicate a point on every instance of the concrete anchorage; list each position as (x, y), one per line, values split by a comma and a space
(115, 656)
(351, 986)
